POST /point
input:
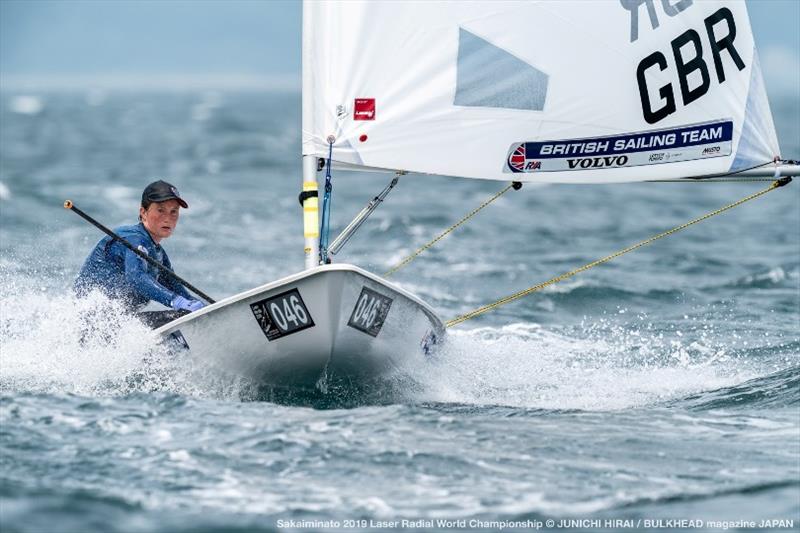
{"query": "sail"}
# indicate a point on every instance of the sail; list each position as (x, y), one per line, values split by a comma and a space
(538, 91)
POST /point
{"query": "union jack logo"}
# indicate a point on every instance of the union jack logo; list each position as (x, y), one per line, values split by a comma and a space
(517, 159)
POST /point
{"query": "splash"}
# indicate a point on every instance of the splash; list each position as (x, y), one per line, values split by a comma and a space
(607, 366)
(91, 346)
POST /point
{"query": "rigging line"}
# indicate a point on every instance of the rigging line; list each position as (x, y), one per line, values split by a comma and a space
(728, 178)
(481, 310)
(514, 185)
(324, 233)
(773, 162)
(714, 180)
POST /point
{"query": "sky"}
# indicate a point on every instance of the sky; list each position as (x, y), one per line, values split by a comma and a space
(240, 43)
(160, 40)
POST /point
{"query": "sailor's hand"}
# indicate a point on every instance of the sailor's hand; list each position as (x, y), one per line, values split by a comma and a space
(185, 303)
(195, 305)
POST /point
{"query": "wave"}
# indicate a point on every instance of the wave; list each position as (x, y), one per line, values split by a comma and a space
(93, 347)
(598, 365)
(780, 389)
(623, 505)
(784, 276)
(38, 509)
(584, 293)
(764, 488)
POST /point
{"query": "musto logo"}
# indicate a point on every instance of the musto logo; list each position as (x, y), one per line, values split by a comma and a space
(518, 163)
(711, 150)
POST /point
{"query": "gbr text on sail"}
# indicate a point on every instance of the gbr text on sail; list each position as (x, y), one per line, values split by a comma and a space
(686, 63)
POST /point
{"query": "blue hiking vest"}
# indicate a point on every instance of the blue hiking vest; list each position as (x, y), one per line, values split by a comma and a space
(123, 275)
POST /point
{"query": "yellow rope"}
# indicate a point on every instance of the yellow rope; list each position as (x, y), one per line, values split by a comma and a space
(520, 294)
(413, 256)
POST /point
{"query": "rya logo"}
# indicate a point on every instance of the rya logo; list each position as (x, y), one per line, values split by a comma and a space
(518, 163)
(517, 159)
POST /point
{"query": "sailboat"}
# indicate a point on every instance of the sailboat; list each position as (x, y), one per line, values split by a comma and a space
(525, 92)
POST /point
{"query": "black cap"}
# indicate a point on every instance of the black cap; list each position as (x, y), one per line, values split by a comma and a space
(161, 191)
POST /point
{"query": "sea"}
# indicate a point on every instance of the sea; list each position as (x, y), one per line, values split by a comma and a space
(660, 391)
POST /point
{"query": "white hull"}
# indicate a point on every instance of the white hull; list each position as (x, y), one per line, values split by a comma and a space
(297, 332)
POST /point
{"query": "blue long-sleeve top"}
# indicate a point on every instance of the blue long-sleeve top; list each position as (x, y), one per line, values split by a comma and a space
(121, 274)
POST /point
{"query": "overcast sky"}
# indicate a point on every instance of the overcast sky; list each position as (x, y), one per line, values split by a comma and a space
(239, 42)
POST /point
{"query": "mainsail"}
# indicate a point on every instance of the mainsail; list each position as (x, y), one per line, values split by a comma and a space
(539, 91)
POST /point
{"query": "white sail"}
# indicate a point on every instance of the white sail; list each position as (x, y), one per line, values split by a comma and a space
(568, 91)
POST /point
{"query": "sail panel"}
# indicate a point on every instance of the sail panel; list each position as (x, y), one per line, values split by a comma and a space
(548, 92)
(758, 131)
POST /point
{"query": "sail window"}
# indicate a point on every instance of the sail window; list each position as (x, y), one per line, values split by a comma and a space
(488, 76)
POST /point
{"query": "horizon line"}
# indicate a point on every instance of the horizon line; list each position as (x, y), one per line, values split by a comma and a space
(89, 82)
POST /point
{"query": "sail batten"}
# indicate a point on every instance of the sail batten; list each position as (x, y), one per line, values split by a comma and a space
(590, 92)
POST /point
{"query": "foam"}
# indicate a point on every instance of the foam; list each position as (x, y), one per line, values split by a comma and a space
(92, 347)
(49, 345)
(608, 367)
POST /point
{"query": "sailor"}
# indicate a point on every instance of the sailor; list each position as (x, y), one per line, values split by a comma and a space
(122, 275)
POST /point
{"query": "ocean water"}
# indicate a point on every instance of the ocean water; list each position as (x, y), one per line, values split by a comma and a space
(659, 389)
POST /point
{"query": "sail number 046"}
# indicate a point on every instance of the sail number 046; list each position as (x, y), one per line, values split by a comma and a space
(367, 310)
(281, 315)
(288, 310)
(370, 312)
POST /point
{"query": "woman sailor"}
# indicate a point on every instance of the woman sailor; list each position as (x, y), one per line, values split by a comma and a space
(122, 275)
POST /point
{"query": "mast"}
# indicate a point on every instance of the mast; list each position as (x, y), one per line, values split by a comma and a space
(309, 197)
(310, 201)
